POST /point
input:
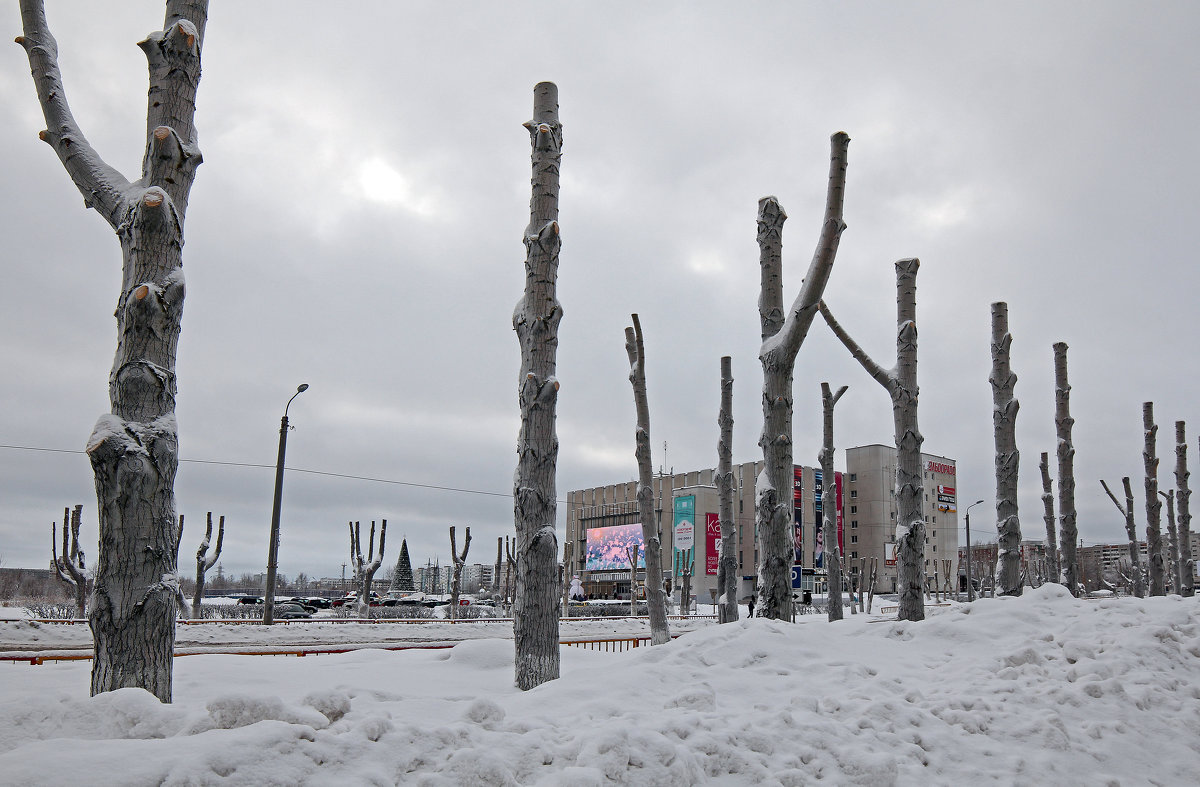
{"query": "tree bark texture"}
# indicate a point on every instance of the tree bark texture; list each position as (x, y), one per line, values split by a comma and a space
(1183, 496)
(1063, 423)
(536, 319)
(1154, 546)
(134, 449)
(205, 561)
(1008, 458)
(1173, 570)
(901, 384)
(833, 552)
(459, 562)
(727, 563)
(1050, 519)
(781, 343)
(656, 597)
(70, 566)
(1139, 588)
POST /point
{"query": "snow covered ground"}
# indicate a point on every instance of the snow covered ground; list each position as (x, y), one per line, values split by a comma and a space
(1041, 690)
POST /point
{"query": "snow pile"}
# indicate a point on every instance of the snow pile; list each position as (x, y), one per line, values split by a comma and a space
(1044, 689)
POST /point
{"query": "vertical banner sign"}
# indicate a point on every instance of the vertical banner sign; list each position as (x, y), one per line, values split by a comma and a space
(797, 514)
(947, 500)
(819, 527)
(837, 483)
(712, 542)
(685, 522)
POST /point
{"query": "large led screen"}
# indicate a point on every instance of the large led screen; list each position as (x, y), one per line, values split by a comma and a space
(607, 547)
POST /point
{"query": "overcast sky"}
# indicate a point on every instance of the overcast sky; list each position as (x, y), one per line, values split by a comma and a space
(356, 225)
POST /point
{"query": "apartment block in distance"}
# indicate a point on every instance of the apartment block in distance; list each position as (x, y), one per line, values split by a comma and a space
(869, 490)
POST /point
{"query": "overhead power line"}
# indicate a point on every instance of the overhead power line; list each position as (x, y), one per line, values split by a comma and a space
(294, 470)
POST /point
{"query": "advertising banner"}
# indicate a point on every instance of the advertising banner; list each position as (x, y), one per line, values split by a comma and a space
(946, 499)
(837, 478)
(685, 522)
(712, 542)
(819, 525)
(797, 515)
(606, 547)
(891, 554)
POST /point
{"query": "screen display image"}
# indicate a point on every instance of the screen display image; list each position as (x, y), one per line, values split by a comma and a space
(607, 547)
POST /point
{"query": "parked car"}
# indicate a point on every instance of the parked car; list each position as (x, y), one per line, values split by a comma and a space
(307, 602)
(318, 602)
(250, 600)
(288, 610)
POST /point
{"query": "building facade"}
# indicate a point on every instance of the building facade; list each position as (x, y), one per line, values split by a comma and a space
(870, 509)
(603, 522)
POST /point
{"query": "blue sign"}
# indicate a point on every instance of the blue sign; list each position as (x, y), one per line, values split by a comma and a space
(796, 578)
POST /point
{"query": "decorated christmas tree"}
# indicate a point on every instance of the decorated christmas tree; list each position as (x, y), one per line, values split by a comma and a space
(402, 577)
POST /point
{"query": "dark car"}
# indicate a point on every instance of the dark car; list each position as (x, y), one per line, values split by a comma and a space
(249, 600)
(288, 610)
(317, 601)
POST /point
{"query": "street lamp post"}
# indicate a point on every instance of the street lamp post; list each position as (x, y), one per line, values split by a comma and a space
(970, 587)
(273, 547)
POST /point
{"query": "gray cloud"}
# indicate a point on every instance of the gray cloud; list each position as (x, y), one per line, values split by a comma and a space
(357, 226)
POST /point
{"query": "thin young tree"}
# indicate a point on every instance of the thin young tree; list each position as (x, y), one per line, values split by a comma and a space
(901, 384)
(459, 560)
(1139, 587)
(833, 552)
(656, 597)
(70, 566)
(1008, 458)
(727, 562)
(1174, 574)
(782, 335)
(1049, 518)
(536, 319)
(205, 561)
(631, 552)
(1183, 496)
(364, 569)
(1154, 547)
(1063, 424)
(134, 449)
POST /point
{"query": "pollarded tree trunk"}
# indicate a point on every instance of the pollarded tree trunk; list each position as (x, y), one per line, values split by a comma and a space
(656, 597)
(1139, 588)
(901, 384)
(632, 552)
(833, 551)
(459, 562)
(1008, 458)
(1154, 550)
(134, 449)
(727, 563)
(782, 336)
(70, 566)
(1048, 516)
(364, 570)
(1183, 496)
(536, 318)
(496, 568)
(1174, 574)
(205, 561)
(1063, 423)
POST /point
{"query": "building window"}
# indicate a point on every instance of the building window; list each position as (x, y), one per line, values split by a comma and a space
(853, 494)
(854, 476)
(853, 539)
(854, 556)
(853, 523)
(853, 509)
